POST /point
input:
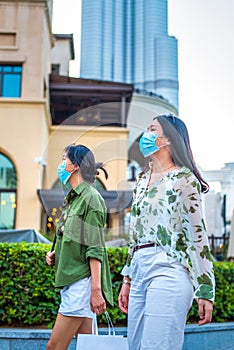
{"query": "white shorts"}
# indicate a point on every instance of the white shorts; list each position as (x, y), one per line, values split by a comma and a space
(75, 299)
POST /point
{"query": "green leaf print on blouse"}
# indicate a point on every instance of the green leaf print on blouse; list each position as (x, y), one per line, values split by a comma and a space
(204, 279)
(206, 253)
(185, 209)
(181, 244)
(180, 175)
(139, 228)
(203, 224)
(152, 192)
(198, 229)
(192, 209)
(171, 197)
(194, 183)
(135, 210)
(164, 236)
(205, 292)
(192, 198)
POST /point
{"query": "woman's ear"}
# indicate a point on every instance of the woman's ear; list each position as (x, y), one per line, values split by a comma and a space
(162, 142)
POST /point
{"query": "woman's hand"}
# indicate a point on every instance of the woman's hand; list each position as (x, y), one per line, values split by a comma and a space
(97, 302)
(123, 297)
(205, 308)
(50, 258)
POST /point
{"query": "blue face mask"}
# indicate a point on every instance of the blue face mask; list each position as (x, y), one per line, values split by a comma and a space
(63, 174)
(147, 144)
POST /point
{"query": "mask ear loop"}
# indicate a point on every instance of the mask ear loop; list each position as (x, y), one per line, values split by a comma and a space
(73, 171)
(167, 143)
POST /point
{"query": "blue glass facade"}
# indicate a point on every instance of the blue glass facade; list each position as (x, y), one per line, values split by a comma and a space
(127, 41)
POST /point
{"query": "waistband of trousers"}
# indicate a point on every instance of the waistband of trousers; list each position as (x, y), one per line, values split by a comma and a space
(142, 246)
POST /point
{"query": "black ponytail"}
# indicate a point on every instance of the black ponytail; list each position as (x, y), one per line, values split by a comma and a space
(100, 166)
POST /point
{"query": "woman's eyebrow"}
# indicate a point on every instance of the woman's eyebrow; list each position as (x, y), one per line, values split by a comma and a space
(152, 126)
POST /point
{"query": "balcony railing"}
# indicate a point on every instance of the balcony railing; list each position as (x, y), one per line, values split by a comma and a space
(219, 245)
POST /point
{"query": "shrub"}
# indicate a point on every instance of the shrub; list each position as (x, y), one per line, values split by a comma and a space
(27, 293)
(27, 287)
(224, 299)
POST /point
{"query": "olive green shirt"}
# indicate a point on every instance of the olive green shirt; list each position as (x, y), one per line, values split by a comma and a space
(80, 236)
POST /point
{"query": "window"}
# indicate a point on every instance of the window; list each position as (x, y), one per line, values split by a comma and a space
(10, 80)
(8, 185)
(55, 68)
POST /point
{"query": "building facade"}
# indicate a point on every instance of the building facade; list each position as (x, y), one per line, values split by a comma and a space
(25, 44)
(31, 144)
(41, 113)
(127, 41)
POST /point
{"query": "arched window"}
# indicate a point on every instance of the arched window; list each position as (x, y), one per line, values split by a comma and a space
(8, 185)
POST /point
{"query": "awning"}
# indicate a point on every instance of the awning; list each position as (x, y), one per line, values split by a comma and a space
(116, 201)
(27, 235)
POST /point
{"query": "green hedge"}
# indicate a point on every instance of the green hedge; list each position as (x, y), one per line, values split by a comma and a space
(28, 297)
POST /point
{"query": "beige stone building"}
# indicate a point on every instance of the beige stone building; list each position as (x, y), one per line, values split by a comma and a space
(42, 110)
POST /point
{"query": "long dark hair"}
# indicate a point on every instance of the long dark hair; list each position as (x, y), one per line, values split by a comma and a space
(84, 157)
(176, 131)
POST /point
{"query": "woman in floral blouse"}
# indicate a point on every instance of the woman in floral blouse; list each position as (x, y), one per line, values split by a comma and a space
(169, 260)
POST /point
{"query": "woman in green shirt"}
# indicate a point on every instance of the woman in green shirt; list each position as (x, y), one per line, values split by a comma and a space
(80, 257)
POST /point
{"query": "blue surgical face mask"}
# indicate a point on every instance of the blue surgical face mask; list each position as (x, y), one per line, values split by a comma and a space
(147, 143)
(63, 174)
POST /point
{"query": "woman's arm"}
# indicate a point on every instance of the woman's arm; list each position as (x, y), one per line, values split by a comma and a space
(197, 240)
(198, 249)
(124, 294)
(97, 302)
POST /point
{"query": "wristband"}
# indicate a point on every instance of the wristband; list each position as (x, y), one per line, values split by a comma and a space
(125, 281)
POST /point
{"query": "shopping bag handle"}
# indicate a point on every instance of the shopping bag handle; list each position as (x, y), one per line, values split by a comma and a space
(95, 326)
(110, 324)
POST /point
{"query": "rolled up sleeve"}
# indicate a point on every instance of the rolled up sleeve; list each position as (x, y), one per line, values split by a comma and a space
(94, 234)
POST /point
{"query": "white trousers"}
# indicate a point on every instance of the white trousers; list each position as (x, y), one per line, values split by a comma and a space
(161, 295)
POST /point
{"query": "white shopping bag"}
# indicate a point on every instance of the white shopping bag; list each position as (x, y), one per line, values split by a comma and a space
(101, 342)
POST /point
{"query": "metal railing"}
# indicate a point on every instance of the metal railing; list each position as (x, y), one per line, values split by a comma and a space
(218, 245)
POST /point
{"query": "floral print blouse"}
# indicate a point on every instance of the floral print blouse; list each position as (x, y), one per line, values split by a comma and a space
(169, 213)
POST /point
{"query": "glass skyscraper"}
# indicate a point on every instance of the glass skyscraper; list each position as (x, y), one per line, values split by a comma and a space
(127, 41)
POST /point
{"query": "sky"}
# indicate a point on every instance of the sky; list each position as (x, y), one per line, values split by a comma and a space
(205, 33)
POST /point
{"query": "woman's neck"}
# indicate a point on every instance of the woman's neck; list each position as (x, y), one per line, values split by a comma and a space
(75, 180)
(162, 169)
(160, 165)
